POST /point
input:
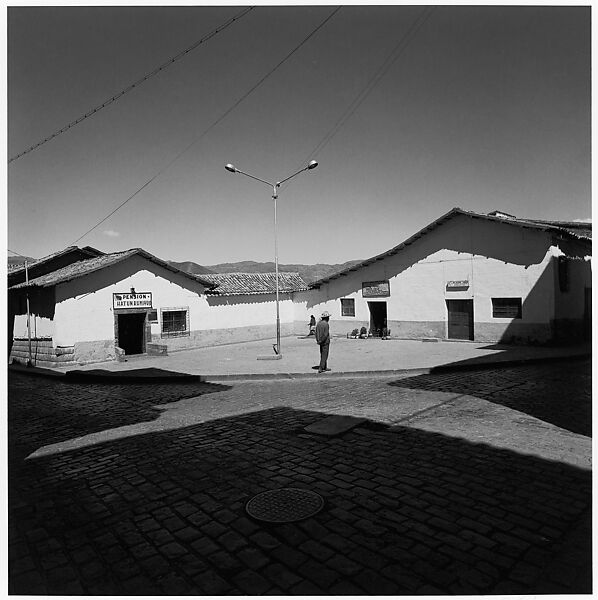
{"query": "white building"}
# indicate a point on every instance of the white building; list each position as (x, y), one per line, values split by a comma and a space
(131, 302)
(468, 276)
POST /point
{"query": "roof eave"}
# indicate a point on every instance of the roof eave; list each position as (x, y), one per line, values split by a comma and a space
(449, 215)
(117, 259)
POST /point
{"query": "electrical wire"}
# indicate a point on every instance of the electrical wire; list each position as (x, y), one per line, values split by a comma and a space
(27, 258)
(134, 85)
(17, 253)
(394, 55)
(216, 122)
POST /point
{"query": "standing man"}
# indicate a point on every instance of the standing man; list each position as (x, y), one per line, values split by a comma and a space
(323, 340)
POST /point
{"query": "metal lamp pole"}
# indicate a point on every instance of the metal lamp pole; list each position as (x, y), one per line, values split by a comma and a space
(312, 165)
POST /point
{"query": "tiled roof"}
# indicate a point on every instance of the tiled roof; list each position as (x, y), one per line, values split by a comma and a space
(229, 284)
(88, 250)
(85, 267)
(575, 230)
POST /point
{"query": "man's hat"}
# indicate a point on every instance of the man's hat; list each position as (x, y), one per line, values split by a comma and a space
(325, 314)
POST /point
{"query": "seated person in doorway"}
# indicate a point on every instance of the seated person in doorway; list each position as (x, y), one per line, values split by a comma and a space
(384, 332)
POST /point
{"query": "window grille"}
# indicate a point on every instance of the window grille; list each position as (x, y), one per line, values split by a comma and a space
(506, 308)
(175, 322)
(347, 307)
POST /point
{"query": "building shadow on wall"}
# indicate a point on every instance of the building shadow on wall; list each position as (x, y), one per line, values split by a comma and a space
(406, 512)
(41, 304)
(541, 317)
(557, 291)
(523, 344)
(423, 247)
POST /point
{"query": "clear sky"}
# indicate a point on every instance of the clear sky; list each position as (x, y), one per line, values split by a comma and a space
(485, 108)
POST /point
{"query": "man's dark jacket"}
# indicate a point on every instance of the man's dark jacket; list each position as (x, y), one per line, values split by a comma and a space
(322, 332)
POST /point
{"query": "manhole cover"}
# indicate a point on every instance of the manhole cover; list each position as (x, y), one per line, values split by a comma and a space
(284, 505)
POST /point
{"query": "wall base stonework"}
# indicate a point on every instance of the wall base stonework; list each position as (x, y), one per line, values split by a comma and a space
(91, 352)
(43, 353)
(513, 333)
(417, 329)
(346, 327)
(219, 337)
(105, 350)
(571, 331)
(409, 330)
(508, 333)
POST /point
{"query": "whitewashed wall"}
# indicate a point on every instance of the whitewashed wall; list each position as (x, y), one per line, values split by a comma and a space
(497, 259)
(84, 306)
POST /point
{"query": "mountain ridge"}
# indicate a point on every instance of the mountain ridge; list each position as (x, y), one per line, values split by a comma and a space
(308, 273)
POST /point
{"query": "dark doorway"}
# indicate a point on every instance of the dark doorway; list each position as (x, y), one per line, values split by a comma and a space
(377, 317)
(460, 319)
(131, 332)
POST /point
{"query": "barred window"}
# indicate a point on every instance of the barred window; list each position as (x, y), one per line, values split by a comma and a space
(506, 308)
(347, 307)
(175, 322)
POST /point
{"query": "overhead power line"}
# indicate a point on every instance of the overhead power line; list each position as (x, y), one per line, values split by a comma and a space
(17, 253)
(134, 85)
(394, 55)
(216, 122)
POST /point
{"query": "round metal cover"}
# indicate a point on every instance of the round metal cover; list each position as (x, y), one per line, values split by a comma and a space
(285, 505)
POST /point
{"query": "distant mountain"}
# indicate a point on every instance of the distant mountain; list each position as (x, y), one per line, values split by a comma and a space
(308, 273)
(190, 267)
(19, 260)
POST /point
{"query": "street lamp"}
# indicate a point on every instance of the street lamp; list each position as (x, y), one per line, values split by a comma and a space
(232, 169)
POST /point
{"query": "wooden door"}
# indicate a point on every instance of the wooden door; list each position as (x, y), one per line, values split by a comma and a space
(460, 319)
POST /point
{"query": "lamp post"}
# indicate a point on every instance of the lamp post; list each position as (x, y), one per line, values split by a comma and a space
(232, 169)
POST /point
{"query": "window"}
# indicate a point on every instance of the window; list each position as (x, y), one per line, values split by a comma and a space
(347, 307)
(175, 322)
(506, 308)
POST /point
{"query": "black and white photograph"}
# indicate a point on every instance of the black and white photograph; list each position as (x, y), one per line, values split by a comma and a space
(299, 299)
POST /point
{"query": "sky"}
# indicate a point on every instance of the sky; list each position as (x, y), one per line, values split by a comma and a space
(479, 107)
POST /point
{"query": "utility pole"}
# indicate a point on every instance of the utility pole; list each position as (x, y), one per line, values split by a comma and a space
(30, 361)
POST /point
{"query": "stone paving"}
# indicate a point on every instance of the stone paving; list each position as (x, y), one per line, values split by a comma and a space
(469, 483)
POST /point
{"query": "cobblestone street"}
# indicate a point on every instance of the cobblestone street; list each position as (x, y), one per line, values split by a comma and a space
(457, 483)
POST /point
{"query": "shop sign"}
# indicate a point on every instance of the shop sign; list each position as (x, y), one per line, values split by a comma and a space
(136, 300)
(461, 284)
(375, 289)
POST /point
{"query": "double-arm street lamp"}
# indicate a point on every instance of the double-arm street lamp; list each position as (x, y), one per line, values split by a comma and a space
(312, 165)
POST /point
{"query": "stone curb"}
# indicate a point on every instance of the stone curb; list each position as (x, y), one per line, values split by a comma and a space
(130, 377)
(391, 372)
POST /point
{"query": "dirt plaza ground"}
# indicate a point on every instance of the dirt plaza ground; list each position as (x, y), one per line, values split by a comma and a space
(456, 482)
(347, 356)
